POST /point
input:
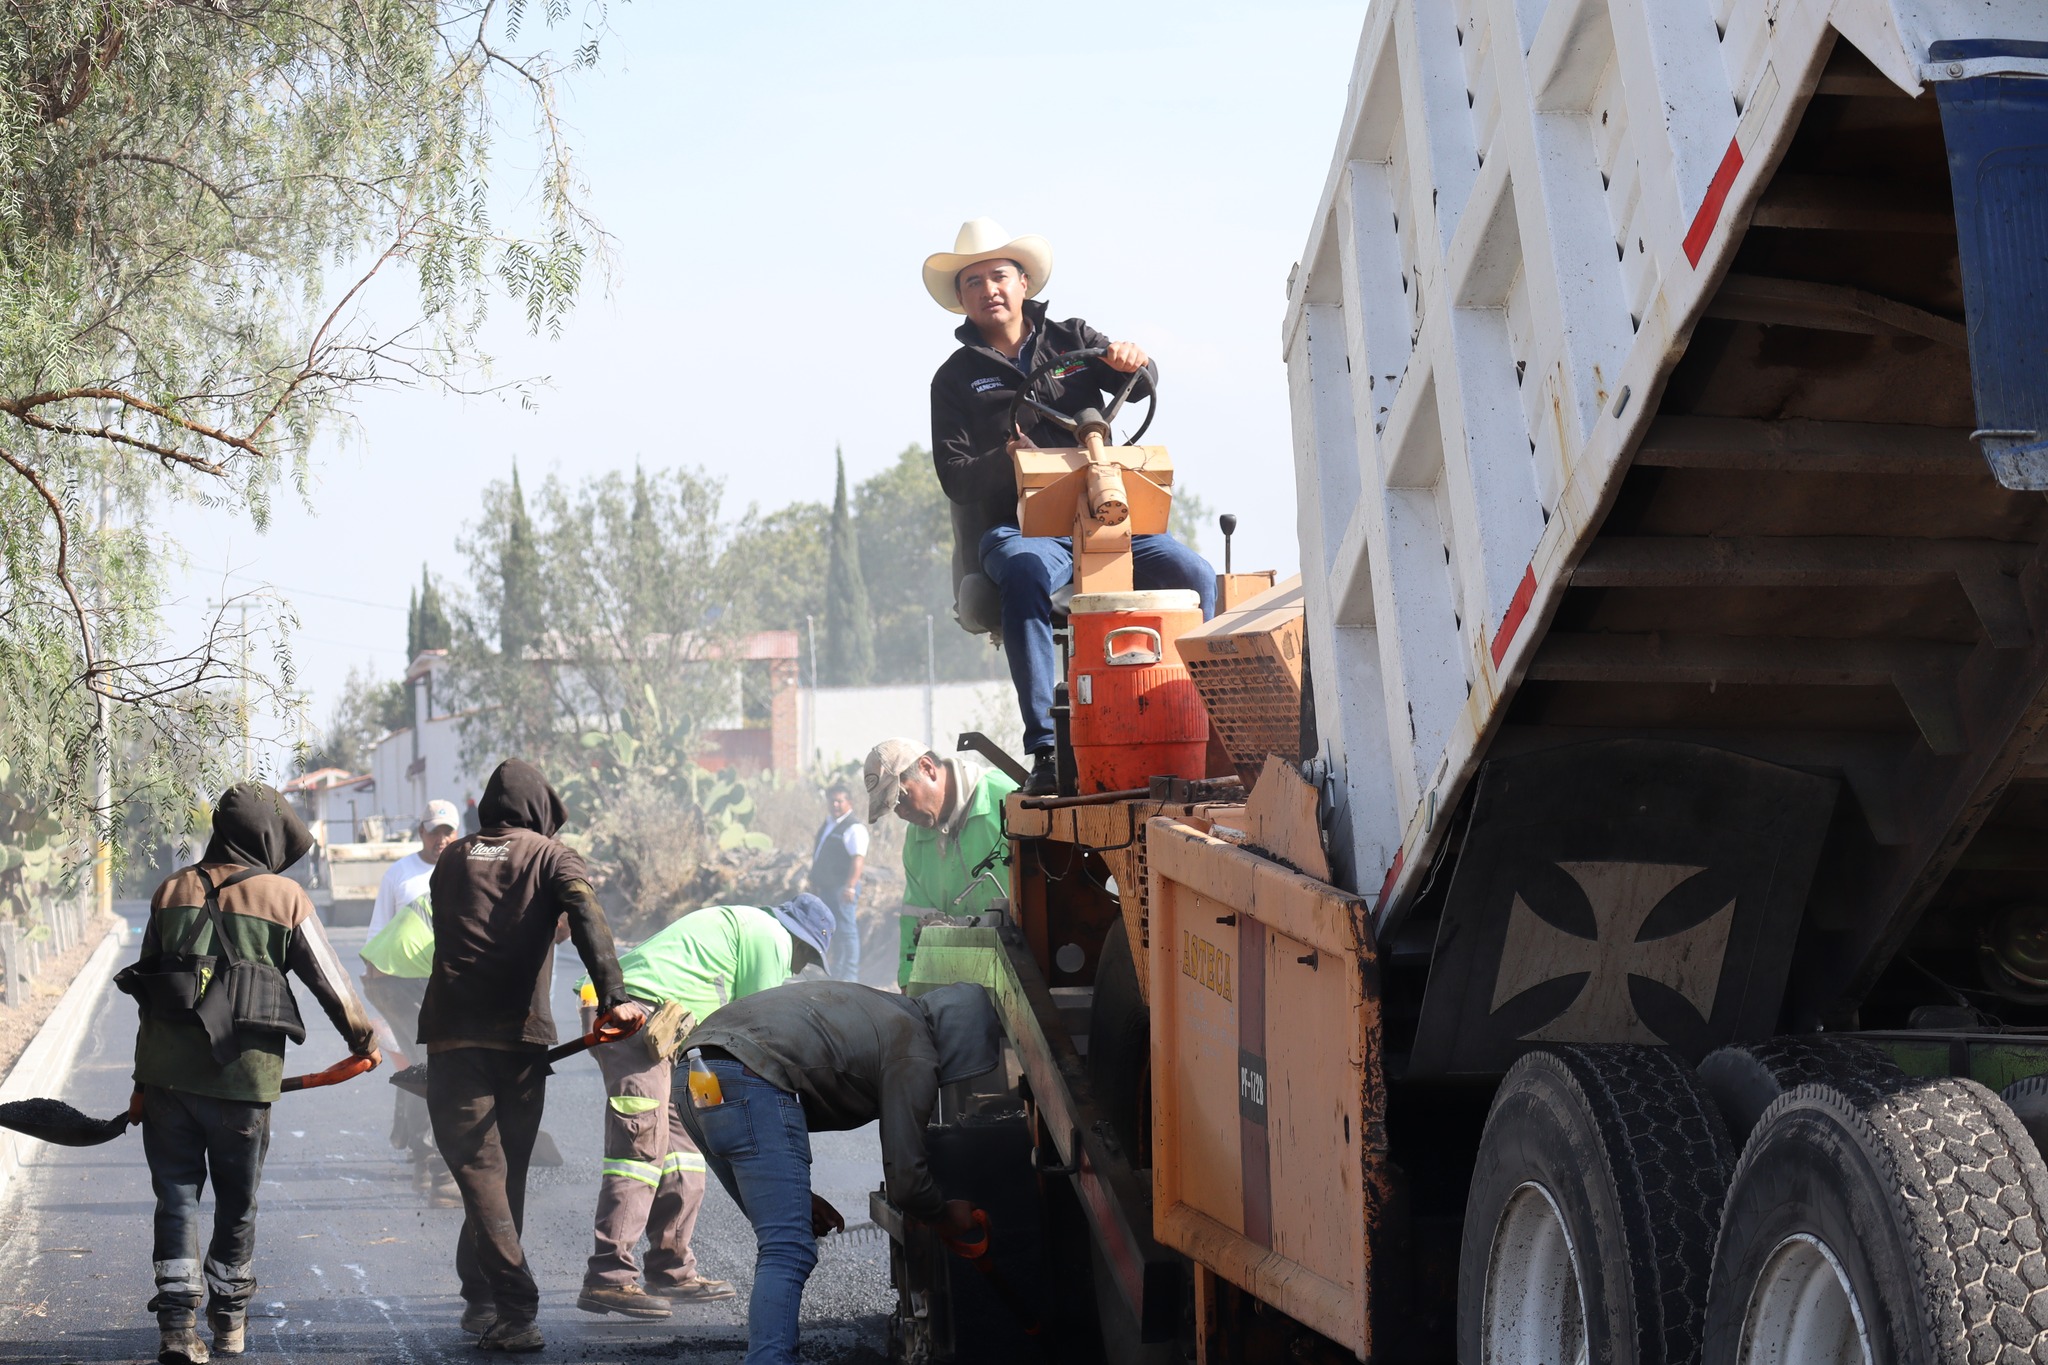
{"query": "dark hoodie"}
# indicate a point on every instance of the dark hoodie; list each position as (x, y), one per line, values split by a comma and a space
(498, 896)
(269, 919)
(853, 1054)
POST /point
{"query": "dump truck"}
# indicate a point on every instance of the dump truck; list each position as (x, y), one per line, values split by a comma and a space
(1620, 931)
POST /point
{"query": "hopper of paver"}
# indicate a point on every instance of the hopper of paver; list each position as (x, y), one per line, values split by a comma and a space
(1247, 664)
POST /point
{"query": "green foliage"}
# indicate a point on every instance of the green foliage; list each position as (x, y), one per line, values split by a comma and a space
(426, 620)
(728, 809)
(366, 711)
(195, 199)
(777, 564)
(849, 627)
(31, 850)
(519, 596)
(624, 660)
(906, 524)
(1189, 519)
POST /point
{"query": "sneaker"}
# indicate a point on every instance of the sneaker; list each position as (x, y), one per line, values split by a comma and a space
(230, 1333)
(518, 1337)
(626, 1299)
(696, 1289)
(1045, 774)
(479, 1318)
(181, 1346)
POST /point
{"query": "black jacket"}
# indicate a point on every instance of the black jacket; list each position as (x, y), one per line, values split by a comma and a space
(853, 1055)
(497, 897)
(971, 396)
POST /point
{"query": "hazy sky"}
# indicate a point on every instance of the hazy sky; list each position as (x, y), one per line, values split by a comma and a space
(773, 176)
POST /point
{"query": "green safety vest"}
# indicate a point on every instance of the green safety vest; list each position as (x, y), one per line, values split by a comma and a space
(935, 872)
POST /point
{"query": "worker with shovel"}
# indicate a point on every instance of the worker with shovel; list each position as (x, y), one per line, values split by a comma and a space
(827, 1056)
(209, 1054)
(653, 1174)
(498, 898)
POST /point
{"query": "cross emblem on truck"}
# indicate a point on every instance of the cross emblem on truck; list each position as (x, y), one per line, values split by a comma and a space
(1623, 896)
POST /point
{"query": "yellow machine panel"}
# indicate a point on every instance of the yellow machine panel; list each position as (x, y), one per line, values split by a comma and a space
(1247, 664)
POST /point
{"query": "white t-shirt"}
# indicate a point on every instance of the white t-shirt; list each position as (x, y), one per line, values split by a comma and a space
(856, 840)
(404, 882)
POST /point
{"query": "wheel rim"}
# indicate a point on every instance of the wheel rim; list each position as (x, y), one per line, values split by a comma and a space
(1534, 1308)
(1803, 1310)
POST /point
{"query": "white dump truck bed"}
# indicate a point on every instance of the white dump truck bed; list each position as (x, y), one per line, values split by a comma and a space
(1532, 206)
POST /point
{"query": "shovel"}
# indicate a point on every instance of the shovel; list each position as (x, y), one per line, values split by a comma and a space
(414, 1078)
(57, 1122)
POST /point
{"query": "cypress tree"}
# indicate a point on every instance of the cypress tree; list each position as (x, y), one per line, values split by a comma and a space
(412, 626)
(849, 624)
(430, 624)
(519, 598)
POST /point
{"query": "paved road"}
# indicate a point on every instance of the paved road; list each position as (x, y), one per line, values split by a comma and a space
(353, 1268)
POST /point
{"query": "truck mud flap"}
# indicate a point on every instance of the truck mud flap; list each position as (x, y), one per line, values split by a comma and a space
(1995, 120)
(1621, 891)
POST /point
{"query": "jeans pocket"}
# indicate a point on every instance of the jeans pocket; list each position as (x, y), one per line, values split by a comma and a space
(728, 1130)
(795, 1127)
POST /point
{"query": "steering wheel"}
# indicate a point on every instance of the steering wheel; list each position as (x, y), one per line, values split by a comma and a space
(1030, 387)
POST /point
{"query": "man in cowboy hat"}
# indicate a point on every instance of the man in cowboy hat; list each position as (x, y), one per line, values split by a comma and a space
(995, 280)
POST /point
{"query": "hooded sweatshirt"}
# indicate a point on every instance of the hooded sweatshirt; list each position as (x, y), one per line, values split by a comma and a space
(269, 919)
(498, 896)
(853, 1054)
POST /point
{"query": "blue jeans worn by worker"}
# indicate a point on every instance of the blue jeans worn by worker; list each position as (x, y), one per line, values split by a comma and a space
(759, 1147)
(1026, 570)
(843, 956)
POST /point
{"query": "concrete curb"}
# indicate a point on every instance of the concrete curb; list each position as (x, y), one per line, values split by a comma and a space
(46, 1062)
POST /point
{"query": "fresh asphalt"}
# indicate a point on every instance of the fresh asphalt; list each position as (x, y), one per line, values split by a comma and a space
(352, 1267)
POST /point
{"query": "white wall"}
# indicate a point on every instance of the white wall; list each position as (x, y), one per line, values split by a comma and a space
(838, 725)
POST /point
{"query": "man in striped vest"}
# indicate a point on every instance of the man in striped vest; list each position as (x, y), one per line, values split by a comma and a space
(653, 1175)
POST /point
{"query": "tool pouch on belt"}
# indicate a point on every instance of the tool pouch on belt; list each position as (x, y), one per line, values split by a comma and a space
(222, 991)
(666, 1028)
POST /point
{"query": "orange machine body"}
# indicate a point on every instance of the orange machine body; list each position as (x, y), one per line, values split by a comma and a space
(1136, 712)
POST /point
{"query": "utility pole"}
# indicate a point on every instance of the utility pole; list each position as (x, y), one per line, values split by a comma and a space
(102, 768)
(811, 630)
(242, 704)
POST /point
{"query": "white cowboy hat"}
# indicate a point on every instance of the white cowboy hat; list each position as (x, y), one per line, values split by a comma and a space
(983, 239)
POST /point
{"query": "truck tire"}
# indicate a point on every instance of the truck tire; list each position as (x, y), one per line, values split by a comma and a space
(1589, 1226)
(2027, 1097)
(1120, 1048)
(1747, 1079)
(1902, 1226)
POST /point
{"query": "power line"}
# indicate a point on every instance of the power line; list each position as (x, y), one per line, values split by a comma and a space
(308, 592)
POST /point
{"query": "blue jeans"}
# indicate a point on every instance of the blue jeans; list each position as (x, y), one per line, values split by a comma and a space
(1026, 569)
(843, 963)
(759, 1147)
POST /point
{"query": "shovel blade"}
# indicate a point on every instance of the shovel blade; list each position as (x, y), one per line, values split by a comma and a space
(56, 1122)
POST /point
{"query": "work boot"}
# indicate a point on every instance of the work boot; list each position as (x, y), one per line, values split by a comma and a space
(1045, 774)
(479, 1318)
(180, 1344)
(696, 1289)
(629, 1300)
(517, 1337)
(230, 1330)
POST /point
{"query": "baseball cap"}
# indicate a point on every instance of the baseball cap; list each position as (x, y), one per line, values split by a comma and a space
(807, 918)
(883, 772)
(441, 813)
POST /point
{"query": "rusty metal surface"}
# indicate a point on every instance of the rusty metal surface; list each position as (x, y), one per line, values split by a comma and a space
(1272, 1172)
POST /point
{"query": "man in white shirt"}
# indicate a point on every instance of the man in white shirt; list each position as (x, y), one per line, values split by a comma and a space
(397, 998)
(406, 880)
(837, 859)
